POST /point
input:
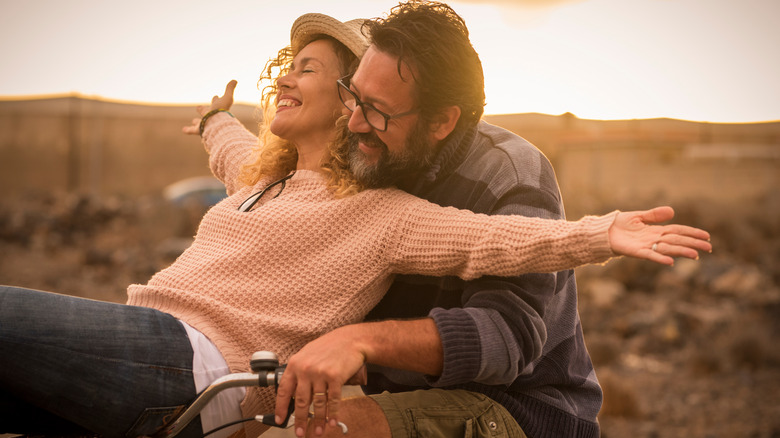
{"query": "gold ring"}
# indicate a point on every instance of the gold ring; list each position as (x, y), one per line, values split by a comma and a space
(321, 394)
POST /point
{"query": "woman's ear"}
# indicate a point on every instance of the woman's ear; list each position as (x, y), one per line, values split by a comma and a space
(444, 123)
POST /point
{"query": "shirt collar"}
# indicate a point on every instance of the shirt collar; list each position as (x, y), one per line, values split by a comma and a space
(450, 156)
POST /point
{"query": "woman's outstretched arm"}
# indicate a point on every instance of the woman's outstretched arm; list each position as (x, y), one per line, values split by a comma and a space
(445, 241)
(228, 143)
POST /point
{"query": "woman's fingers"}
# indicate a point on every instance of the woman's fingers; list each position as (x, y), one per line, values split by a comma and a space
(656, 215)
(217, 102)
(230, 88)
(686, 241)
(685, 230)
(672, 245)
(193, 128)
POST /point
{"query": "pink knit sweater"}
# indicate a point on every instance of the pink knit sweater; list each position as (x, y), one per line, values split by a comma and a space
(305, 263)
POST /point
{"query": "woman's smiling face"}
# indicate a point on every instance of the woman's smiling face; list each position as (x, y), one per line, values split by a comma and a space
(308, 101)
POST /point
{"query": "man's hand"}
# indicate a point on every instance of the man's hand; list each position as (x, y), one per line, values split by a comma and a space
(633, 235)
(317, 372)
(315, 376)
(217, 102)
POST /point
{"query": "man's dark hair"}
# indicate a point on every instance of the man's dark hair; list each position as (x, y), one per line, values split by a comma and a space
(433, 40)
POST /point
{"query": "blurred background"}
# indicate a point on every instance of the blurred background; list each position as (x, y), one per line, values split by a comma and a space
(635, 102)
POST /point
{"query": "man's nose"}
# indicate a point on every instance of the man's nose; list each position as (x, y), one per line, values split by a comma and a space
(357, 122)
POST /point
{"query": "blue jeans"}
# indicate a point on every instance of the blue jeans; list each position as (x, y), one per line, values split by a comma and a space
(70, 364)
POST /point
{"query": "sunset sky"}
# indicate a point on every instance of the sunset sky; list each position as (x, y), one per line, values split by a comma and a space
(707, 60)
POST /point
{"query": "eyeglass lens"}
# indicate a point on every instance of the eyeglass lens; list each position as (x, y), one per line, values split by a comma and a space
(351, 101)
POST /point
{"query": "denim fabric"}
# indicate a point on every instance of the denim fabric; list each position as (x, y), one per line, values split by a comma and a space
(112, 369)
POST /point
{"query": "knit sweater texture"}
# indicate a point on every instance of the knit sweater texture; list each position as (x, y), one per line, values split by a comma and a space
(304, 263)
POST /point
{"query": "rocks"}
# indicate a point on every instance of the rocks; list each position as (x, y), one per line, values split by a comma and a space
(602, 292)
(89, 246)
(621, 398)
(690, 350)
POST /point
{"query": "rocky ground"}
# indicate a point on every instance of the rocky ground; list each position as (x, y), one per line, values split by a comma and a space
(688, 351)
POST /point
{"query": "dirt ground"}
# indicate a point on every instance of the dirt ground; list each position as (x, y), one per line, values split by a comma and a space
(688, 351)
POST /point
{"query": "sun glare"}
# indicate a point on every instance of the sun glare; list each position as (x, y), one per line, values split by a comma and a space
(710, 60)
(612, 60)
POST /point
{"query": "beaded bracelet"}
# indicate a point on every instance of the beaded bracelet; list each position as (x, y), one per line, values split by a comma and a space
(209, 114)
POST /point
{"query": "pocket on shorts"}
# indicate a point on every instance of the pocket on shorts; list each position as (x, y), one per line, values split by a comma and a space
(428, 427)
(447, 423)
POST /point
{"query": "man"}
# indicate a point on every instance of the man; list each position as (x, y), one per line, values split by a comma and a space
(501, 356)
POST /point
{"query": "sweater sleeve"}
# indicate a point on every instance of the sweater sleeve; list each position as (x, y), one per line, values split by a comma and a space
(437, 241)
(229, 145)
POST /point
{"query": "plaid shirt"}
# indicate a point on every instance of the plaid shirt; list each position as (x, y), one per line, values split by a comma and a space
(517, 340)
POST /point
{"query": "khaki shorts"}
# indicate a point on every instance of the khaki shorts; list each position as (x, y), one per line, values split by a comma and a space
(446, 413)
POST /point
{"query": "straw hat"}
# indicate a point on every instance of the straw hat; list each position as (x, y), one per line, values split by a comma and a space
(348, 33)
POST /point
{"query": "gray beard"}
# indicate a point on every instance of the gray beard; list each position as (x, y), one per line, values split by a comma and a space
(390, 168)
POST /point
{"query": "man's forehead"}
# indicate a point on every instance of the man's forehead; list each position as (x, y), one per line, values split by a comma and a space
(377, 78)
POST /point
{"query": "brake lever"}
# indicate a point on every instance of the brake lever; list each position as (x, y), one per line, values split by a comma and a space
(265, 361)
(270, 419)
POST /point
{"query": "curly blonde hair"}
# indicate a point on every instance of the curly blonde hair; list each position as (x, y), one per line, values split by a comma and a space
(275, 157)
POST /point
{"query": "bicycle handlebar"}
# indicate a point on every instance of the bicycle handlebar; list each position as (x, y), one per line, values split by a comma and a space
(266, 372)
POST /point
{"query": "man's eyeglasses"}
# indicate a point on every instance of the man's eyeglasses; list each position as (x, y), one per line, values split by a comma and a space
(377, 119)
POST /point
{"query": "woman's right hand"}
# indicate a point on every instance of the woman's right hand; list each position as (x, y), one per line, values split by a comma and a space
(223, 102)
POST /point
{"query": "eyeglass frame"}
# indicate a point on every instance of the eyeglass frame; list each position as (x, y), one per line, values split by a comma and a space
(249, 203)
(363, 105)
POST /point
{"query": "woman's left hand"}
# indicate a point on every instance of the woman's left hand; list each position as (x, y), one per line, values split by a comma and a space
(632, 234)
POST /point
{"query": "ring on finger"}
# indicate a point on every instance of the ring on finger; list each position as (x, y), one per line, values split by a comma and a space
(654, 247)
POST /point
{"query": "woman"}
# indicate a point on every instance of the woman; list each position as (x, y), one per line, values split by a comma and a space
(297, 251)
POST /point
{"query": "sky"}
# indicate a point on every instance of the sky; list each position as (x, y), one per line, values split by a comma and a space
(703, 60)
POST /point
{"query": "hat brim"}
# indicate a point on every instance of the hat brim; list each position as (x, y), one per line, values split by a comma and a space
(348, 33)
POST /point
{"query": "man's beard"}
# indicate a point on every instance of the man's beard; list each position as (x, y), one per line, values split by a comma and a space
(391, 168)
